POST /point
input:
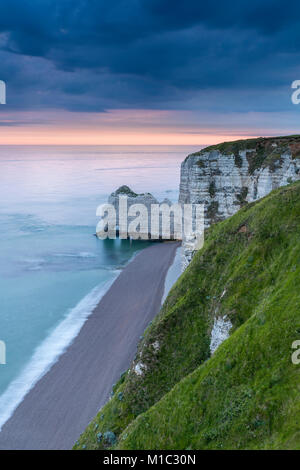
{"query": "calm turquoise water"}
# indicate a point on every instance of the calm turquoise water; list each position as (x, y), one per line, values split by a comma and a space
(53, 271)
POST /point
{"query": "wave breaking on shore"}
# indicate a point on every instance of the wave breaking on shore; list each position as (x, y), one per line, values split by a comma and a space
(49, 351)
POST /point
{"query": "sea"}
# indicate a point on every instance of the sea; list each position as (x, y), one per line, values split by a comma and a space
(53, 270)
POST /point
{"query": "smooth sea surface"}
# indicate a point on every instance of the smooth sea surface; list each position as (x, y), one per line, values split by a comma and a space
(53, 270)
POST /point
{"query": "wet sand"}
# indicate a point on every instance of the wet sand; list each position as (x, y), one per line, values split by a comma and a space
(59, 407)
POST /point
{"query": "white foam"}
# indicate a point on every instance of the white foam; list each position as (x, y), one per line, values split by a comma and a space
(49, 351)
(81, 254)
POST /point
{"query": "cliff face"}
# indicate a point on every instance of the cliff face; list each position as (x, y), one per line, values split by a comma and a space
(227, 176)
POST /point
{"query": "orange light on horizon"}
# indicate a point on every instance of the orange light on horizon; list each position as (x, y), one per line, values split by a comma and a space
(115, 127)
(38, 136)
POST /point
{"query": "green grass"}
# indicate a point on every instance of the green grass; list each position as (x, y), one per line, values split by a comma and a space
(246, 394)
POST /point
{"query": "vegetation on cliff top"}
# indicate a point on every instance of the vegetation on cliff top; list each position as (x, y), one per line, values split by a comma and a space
(260, 152)
(125, 190)
(247, 394)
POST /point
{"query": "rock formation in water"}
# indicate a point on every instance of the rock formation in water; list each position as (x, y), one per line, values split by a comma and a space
(148, 201)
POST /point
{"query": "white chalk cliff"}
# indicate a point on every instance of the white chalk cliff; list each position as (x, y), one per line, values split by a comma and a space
(224, 177)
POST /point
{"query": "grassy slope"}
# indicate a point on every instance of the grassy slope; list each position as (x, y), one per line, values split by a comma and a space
(246, 394)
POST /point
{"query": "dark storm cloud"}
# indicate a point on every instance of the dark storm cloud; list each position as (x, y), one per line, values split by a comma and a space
(93, 54)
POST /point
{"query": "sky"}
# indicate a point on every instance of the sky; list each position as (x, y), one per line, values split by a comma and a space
(147, 71)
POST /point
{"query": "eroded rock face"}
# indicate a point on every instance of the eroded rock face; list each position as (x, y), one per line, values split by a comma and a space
(147, 200)
(225, 177)
(132, 198)
(220, 332)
